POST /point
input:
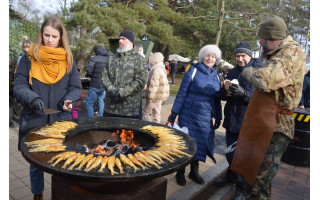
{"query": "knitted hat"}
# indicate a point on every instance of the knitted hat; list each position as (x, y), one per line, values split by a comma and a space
(210, 49)
(243, 47)
(274, 28)
(155, 58)
(128, 34)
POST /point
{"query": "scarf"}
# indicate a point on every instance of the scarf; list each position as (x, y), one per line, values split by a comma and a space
(52, 67)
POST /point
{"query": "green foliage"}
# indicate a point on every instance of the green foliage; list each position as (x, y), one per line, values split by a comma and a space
(17, 29)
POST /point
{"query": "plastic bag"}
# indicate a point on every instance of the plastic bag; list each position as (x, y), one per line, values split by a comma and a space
(176, 126)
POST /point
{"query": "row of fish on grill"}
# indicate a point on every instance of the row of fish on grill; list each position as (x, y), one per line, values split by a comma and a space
(167, 147)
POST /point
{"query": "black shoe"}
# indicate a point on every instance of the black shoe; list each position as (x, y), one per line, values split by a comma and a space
(238, 195)
(221, 181)
(194, 173)
(38, 196)
(181, 180)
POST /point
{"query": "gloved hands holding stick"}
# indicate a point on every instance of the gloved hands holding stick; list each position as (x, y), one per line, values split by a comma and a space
(37, 104)
(237, 90)
(172, 117)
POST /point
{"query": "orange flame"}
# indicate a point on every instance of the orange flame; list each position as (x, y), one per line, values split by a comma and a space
(127, 137)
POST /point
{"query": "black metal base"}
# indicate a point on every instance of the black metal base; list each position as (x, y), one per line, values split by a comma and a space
(71, 189)
(297, 156)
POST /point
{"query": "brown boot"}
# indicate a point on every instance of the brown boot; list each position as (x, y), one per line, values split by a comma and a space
(38, 196)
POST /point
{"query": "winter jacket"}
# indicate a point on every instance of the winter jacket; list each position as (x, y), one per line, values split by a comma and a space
(125, 72)
(53, 96)
(173, 68)
(196, 103)
(157, 87)
(236, 107)
(281, 75)
(96, 65)
(305, 97)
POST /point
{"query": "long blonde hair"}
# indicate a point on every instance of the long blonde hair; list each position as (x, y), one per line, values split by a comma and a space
(55, 23)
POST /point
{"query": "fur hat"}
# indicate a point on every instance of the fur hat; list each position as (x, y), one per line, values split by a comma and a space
(128, 34)
(155, 58)
(243, 47)
(274, 28)
(210, 49)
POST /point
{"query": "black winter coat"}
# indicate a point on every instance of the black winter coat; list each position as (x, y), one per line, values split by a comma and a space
(236, 107)
(53, 96)
(95, 66)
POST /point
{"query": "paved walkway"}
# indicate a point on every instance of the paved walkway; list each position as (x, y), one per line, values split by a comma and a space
(290, 183)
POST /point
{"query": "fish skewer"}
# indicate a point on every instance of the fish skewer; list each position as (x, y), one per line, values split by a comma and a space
(70, 160)
(148, 160)
(44, 142)
(161, 155)
(64, 157)
(89, 163)
(77, 161)
(103, 163)
(48, 148)
(141, 159)
(119, 165)
(96, 163)
(135, 161)
(111, 164)
(127, 161)
(154, 155)
(84, 161)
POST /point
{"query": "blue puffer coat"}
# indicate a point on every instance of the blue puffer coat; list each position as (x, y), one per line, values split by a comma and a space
(53, 96)
(197, 102)
(236, 107)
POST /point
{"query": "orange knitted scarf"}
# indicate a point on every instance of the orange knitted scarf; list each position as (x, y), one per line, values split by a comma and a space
(52, 66)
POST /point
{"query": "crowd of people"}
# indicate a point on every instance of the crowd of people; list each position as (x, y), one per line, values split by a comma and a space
(47, 77)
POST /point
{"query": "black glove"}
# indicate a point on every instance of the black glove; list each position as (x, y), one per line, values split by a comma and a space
(237, 90)
(223, 95)
(113, 93)
(37, 104)
(172, 117)
(217, 124)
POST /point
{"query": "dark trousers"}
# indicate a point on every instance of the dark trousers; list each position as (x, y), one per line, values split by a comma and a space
(230, 139)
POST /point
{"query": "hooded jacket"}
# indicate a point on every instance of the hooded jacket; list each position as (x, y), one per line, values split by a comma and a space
(196, 103)
(96, 65)
(236, 107)
(281, 75)
(157, 87)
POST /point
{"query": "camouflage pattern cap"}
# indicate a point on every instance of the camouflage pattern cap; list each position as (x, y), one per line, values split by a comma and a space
(274, 28)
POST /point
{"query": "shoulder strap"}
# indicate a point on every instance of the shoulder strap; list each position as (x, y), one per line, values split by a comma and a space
(193, 74)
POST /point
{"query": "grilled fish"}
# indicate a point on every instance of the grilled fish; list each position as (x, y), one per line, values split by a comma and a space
(77, 161)
(84, 161)
(43, 142)
(150, 153)
(158, 153)
(148, 160)
(48, 148)
(103, 163)
(96, 163)
(89, 163)
(70, 160)
(135, 161)
(59, 155)
(119, 165)
(126, 161)
(111, 164)
(64, 157)
(141, 159)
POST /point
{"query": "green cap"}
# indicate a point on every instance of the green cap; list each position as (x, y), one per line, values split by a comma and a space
(274, 28)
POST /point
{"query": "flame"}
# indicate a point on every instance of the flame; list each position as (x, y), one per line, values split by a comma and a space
(126, 137)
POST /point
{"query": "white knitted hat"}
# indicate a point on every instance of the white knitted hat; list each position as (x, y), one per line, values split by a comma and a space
(210, 49)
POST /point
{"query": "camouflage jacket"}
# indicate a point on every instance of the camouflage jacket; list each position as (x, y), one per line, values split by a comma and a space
(126, 72)
(282, 75)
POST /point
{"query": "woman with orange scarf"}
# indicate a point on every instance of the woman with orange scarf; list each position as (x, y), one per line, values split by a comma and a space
(46, 77)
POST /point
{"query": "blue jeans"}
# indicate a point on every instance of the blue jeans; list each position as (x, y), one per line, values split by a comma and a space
(172, 76)
(36, 180)
(93, 94)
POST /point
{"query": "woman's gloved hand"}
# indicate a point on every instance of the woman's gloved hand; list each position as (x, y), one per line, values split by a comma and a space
(237, 90)
(37, 104)
(217, 124)
(172, 117)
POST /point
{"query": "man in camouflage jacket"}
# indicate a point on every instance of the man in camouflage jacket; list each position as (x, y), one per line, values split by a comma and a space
(123, 79)
(281, 75)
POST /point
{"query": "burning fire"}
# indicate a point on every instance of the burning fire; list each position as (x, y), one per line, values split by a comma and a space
(127, 142)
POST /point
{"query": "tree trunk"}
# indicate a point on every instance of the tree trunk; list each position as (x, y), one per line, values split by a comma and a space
(221, 15)
(82, 56)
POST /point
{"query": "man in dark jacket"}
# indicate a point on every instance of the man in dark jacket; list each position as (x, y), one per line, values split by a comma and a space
(173, 69)
(305, 97)
(123, 79)
(94, 70)
(237, 102)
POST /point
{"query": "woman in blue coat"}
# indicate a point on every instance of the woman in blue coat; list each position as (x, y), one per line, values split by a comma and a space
(196, 103)
(46, 77)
